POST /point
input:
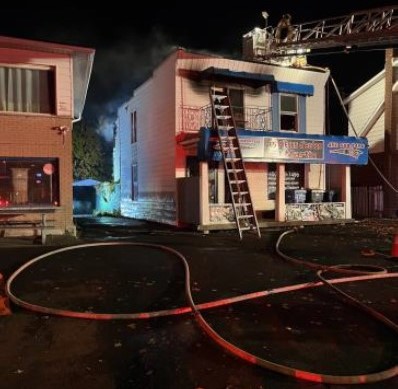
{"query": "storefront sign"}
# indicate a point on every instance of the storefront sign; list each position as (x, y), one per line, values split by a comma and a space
(267, 146)
(275, 149)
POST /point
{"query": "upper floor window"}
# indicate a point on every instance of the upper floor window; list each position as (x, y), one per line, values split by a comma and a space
(289, 112)
(27, 90)
(133, 127)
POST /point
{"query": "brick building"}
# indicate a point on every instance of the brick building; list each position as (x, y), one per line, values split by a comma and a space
(42, 92)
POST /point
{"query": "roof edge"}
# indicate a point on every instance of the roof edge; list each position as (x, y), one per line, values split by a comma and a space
(364, 87)
(28, 44)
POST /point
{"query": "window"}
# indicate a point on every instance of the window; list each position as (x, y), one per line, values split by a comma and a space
(288, 112)
(213, 182)
(134, 182)
(192, 166)
(133, 119)
(27, 90)
(29, 181)
(294, 178)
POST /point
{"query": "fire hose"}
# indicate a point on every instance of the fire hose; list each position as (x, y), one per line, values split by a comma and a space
(357, 273)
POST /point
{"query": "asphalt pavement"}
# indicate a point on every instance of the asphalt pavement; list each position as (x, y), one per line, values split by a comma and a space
(309, 330)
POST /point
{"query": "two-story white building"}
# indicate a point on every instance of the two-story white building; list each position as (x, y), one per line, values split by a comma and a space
(373, 114)
(168, 155)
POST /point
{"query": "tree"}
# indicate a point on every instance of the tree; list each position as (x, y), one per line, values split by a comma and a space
(90, 154)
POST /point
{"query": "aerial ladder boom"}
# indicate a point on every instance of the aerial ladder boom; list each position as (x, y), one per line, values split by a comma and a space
(376, 28)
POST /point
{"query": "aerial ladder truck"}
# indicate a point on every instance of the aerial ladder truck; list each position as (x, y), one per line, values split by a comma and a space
(289, 45)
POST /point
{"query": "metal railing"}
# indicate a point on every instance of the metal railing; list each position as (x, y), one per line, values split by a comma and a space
(355, 23)
(249, 118)
(376, 27)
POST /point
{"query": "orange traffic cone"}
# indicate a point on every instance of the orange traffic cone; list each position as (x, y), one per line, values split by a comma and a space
(4, 305)
(394, 248)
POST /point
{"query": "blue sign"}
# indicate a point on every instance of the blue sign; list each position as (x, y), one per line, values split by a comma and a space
(269, 146)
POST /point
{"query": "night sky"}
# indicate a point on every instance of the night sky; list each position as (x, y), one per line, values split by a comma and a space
(130, 44)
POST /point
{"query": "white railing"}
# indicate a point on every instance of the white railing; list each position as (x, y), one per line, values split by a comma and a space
(249, 118)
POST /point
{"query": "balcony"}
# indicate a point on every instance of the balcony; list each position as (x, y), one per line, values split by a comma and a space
(249, 118)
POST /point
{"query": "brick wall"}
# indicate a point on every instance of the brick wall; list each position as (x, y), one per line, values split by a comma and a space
(25, 135)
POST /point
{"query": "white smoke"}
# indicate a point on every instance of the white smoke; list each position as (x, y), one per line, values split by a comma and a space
(117, 71)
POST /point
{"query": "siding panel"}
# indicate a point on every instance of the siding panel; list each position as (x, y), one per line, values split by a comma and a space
(61, 63)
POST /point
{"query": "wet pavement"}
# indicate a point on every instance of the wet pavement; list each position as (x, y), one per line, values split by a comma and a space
(310, 330)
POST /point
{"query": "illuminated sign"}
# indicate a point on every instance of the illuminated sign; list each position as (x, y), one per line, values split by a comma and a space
(267, 146)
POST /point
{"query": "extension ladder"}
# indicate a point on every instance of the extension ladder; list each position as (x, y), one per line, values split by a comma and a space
(245, 215)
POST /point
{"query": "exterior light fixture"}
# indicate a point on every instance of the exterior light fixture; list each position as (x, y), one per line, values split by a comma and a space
(265, 16)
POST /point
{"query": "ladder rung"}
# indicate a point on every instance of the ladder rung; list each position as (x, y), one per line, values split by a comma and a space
(232, 159)
(227, 137)
(234, 170)
(223, 117)
(219, 97)
(245, 228)
(237, 181)
(245, 217)
(221, 106)
(242, 204)
(241, 193)
(221, 127)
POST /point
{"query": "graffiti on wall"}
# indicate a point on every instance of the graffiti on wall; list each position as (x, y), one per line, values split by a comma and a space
(315, 211)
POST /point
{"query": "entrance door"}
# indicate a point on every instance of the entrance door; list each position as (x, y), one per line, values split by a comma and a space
(236, 98)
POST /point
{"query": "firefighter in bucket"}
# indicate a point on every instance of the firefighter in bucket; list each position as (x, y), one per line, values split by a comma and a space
(284, 30)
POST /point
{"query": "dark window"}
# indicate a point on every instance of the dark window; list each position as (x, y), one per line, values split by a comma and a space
(29, 181)
(236, 99)
(289, 113)
(133, 127)
(192, 166)
(213, 182)
(134, 182)
(27, 90)
(294, 178)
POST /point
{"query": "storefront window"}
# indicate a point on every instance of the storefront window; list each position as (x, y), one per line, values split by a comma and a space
(213, 182)
(294, 178)
(29, 181)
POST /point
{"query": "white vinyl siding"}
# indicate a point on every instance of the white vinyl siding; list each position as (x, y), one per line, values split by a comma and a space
(154, 151)
(362, 107)
(62, 65)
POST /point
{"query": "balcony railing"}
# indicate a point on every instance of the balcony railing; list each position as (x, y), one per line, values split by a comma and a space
(249, 118)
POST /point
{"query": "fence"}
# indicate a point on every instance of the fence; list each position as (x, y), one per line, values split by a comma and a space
(367, 201)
